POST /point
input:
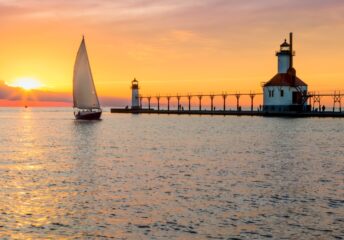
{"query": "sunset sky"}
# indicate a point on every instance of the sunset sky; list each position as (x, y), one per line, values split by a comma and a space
(170, 46)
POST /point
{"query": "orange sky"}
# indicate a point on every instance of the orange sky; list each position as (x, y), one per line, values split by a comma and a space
(171, 46)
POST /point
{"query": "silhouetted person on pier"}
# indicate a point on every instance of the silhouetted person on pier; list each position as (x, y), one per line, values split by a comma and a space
(323, 108)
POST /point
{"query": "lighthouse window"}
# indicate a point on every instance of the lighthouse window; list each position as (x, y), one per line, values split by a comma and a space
(282, 93)
(271, 93)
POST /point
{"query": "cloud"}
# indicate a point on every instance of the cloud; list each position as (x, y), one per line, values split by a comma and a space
(18, 94)
(170, 39)
(204, 15)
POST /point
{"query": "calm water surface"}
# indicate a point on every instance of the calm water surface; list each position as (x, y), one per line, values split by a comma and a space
(169, 177)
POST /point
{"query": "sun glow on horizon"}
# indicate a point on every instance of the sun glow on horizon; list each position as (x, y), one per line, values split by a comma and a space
(26, 83)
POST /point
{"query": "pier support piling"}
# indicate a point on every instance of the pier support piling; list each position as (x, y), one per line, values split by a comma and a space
(200, 102)
(224, 96)
(149, 103)
(337, 98)
(252, 98)
(212, 102)
(168, 103)
(238, 104)
(178, 100)
(189, 98)
(158, 99)
(316, 99)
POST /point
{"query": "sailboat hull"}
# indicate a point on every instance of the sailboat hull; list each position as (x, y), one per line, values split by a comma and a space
(88, 115)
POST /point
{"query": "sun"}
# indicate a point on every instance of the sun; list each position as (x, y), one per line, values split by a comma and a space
(26, 83)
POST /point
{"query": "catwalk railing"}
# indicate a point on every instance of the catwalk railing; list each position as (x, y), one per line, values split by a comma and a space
(314, 100)
(200, 97)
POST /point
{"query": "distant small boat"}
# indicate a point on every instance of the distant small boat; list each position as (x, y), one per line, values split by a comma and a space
(25, 106)
(86, 103)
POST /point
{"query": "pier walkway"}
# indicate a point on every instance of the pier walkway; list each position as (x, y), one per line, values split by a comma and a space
(328, 114)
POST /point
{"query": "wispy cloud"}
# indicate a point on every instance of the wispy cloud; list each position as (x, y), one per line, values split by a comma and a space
(195, 14)
(18, 94)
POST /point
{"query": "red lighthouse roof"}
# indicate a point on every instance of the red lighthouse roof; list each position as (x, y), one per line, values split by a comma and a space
(285, 79)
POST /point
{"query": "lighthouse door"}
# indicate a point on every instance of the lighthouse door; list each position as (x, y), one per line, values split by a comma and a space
(297, 98)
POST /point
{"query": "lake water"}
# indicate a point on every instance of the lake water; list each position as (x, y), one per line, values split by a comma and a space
(169, 177)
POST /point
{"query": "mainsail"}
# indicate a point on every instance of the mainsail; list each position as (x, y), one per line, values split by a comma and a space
(84, 91)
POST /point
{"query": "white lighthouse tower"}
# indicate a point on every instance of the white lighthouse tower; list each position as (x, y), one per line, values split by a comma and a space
(135, 97)
(284, 57)
(285, 92)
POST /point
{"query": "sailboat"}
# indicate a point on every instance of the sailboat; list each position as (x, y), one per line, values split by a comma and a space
(86, 103)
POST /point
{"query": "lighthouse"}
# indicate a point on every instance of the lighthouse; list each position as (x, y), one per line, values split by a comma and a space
(135, 97)
(285, 92)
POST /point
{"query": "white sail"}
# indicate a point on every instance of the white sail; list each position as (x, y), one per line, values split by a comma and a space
(84, 91)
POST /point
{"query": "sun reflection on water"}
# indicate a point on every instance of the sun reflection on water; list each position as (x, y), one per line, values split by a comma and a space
(31, 201)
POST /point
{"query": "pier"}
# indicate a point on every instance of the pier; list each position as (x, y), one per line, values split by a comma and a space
(314, 99)
(326, 114)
